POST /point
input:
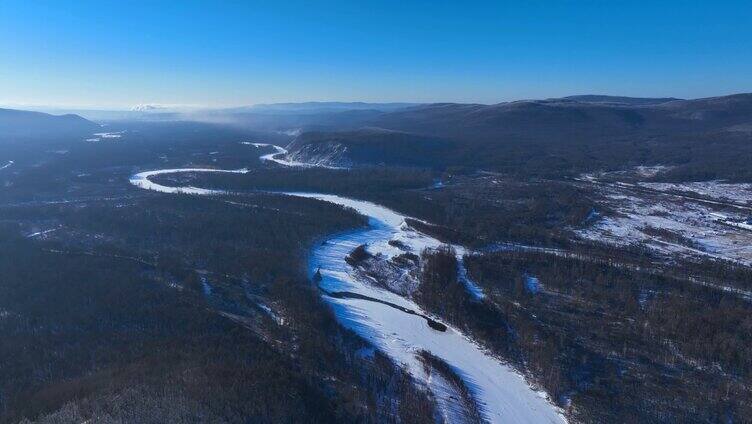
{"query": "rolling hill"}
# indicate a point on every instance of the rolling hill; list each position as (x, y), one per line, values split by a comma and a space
(701, 138)
(21, 124)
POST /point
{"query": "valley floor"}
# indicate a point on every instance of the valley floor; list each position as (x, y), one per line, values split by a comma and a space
(462, 296)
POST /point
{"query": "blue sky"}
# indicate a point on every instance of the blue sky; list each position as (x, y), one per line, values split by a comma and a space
(115, 54)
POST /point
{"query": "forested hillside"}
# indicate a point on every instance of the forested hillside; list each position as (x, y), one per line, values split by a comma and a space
(703, 139)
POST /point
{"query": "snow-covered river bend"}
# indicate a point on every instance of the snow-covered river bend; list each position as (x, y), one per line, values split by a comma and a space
(502, 394)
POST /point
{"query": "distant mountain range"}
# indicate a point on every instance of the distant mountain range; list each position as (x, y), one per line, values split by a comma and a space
(573, 116)
(20, 124)
(322, 107)
(619, 100)
(709, 138)
(579, 116)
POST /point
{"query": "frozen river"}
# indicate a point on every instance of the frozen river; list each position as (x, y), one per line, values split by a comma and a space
(501, 393)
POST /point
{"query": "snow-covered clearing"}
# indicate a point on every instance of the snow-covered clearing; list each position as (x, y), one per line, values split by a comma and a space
(110, 136)
(638, 172)
(116, 134)
(718, 190)
(674, 224)
(651, 171)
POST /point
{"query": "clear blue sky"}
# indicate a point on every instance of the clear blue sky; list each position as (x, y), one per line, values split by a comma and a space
(215, 53)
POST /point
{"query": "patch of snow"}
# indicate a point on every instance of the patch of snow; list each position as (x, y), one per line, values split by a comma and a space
(641, 171)
(592, 215)
(718, 190)
(7, 165)
(511, 247)
(744, 225)
(174, 285)
(279, 320)
(707, 232)
(205, 286)
(116, 134)
(533, 284)
(41, 233)
(472, 287)
(643, 298)
(651, 171)
(437, 185)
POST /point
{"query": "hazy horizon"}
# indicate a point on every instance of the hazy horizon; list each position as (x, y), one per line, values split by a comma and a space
(156, 108)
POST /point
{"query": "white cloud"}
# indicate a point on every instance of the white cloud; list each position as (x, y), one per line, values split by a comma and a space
(160, 107)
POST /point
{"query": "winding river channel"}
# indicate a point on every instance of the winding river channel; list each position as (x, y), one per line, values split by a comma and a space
(378, 315)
